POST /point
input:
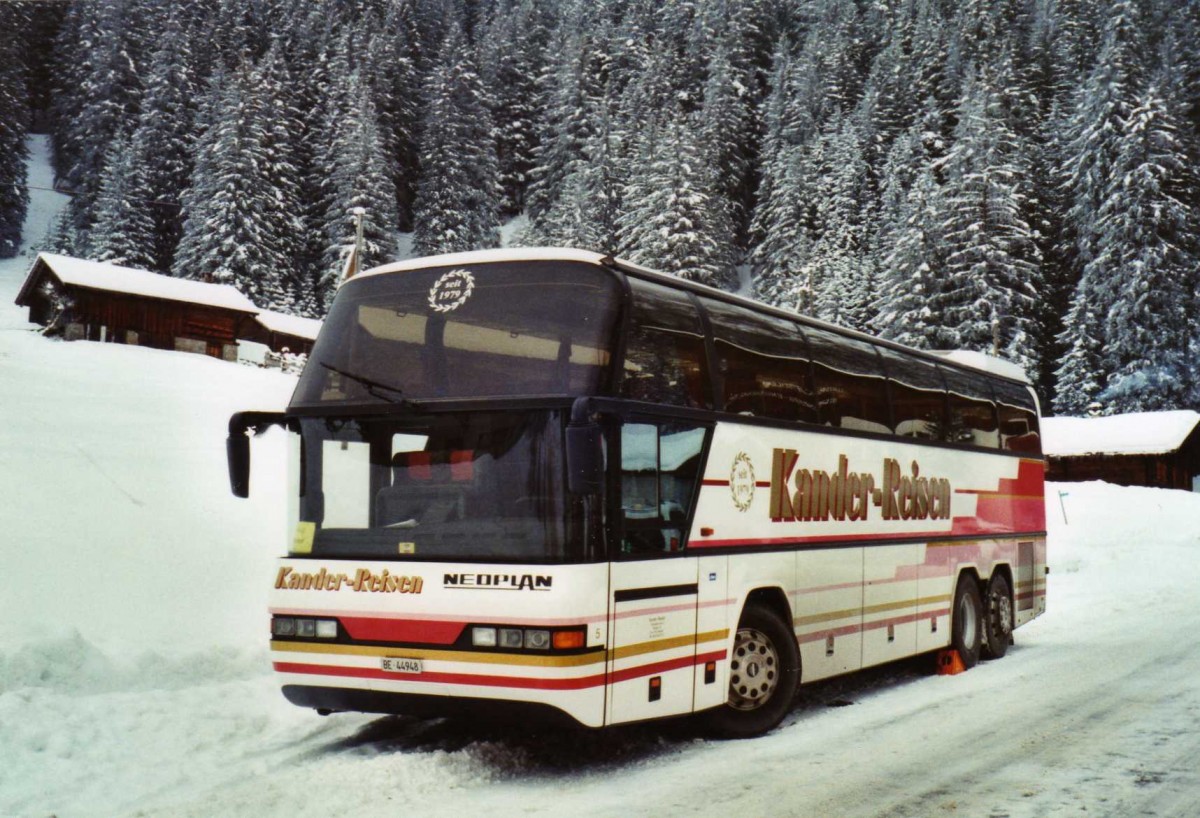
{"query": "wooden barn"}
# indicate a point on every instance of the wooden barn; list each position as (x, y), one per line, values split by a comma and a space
(88, 300)
(282, 332)
(1157, 449)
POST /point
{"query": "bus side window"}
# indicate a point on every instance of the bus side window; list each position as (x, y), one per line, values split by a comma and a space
(1019, 430)
(851, 391)
(664, 354)
(660, 464)
(972, 413)
(918, 395)
(764, 366)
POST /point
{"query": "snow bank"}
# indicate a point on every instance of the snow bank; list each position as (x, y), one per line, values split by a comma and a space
(116, 503)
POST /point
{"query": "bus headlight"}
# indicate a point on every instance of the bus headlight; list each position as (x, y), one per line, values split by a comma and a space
(511, 638)
(483, 637)
(303, 627)
(537, 640)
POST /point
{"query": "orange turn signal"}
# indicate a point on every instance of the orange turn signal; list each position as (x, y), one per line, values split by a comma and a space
(565, 640)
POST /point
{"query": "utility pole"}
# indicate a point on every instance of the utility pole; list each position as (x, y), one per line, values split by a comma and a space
(355, 258)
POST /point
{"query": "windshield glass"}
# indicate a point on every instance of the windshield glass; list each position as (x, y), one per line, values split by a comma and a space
(459, 487)
(499, 329)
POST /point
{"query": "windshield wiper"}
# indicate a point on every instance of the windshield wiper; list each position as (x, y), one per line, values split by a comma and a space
(373, 387)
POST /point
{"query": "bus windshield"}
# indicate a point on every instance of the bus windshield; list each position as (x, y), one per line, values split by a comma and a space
(463, 486)
(496, 329)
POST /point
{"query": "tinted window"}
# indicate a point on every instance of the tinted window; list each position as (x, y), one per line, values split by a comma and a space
(1018, 418)
(664, 354)
(849, 384)
(500, 329)
(972, 413)
(763, 364)
(918, 395)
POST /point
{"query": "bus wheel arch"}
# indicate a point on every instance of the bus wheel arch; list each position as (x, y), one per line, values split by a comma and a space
(998, 614)
(764, 669)
(966, 619)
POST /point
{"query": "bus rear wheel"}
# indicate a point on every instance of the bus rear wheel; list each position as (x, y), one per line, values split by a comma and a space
(764, 669)
(998, 618)
(967, 625)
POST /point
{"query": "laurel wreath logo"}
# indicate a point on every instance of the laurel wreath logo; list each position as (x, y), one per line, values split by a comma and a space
(741, 482)
(451, 291)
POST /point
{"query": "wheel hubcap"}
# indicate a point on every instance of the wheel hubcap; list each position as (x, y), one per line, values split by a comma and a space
(1002, 615)
(754, 670)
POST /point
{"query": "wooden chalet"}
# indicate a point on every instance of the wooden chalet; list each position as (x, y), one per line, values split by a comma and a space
(283, 333)
(1157, 449)
(88, 300)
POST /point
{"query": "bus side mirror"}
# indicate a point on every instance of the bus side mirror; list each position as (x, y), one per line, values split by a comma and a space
(585, 459)
(237, 445)
(237, 451)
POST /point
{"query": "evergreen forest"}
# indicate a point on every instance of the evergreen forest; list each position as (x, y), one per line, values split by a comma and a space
(1018, 177)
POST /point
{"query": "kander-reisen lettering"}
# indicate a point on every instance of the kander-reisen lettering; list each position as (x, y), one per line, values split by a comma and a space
(364, 580)
(812, 495)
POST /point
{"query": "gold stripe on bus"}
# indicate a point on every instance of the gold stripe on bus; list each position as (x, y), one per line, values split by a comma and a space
(656, 645)
(573, 660)
(834, 616)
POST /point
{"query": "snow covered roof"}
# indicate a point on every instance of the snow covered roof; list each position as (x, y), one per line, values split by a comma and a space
(290, 324)
(486, 256)
(1134, 433)
(98, 275)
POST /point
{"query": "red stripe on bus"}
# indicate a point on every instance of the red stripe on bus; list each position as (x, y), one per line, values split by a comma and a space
(576, 683)
(421, 631)
(526, 682)
(829, 538)
(664, 666)
(876, 624)
(526, 621)
(762, 484)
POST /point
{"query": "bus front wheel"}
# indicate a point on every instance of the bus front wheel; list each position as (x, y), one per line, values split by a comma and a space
(967, 626)
(764, 669)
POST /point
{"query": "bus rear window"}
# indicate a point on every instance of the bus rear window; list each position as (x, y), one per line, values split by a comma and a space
(483, 330)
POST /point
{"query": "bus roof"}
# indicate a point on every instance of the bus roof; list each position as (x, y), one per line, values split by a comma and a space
(963, 359)
(488, 256)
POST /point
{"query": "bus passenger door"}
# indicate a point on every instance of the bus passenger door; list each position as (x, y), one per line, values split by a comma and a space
(653, 584)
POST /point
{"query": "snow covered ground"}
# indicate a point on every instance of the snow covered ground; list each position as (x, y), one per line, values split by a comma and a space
(134, 679)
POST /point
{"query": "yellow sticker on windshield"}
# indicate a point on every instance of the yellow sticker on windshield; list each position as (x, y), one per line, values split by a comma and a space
(302, 543)
(407, 547)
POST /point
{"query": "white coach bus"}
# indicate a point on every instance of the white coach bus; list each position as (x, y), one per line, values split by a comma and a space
(552, 482)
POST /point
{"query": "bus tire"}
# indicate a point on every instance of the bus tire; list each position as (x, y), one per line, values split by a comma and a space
(967, 621)
(997, 618)
(764, 669)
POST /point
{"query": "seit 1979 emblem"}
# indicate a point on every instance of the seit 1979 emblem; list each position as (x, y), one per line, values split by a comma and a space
(451, 290)
(741, 482)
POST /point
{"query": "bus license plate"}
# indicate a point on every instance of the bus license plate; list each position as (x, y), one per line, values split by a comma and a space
(394, 664)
